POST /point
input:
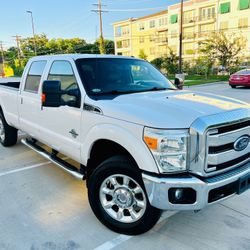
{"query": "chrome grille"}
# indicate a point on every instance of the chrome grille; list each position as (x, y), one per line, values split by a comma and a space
(221, 155)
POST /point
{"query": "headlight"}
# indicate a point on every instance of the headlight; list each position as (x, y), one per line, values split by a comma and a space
(169, 148)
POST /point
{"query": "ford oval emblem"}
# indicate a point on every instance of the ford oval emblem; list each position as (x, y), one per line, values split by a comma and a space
(241, 143)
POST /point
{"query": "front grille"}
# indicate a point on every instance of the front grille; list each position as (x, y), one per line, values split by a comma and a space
(220, 154)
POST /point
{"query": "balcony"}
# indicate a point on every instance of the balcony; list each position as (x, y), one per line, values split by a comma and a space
(206, 18)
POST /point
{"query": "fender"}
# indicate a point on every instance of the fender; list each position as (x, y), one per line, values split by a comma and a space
(136, 147)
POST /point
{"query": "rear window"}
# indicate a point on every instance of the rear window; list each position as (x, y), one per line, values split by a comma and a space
(244, 72)
(34, 76)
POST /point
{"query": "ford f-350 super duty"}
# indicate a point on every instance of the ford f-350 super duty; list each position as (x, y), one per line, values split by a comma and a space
(142, 145)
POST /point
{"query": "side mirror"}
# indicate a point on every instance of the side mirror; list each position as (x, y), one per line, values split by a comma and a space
(51, 93)
(178, 83)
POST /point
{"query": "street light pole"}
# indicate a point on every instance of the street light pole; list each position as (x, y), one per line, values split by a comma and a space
(181, 37)
(33, 30)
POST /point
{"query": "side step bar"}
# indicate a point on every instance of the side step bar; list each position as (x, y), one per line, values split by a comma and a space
(54, 159)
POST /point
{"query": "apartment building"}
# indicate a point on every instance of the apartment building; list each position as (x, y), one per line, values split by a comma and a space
(160, 31)
(148, 33)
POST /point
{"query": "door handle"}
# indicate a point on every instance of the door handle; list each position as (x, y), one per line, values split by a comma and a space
(21, 100)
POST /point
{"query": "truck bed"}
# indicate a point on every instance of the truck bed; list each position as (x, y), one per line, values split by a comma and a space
(10, 82)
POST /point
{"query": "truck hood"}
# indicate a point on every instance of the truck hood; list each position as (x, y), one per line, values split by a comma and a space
(167, 109)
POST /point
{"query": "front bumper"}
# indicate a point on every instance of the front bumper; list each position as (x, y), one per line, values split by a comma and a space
(207, 190)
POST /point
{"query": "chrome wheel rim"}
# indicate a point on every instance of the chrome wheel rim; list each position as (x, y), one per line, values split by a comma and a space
(2, 131)
(123, 198)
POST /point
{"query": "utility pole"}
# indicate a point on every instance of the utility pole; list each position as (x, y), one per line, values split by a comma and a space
(181, 36)
(2, 54)
(99, 10)
(18, 38)
(33, 30)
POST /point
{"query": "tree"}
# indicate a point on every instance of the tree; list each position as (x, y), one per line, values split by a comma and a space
(142, 54)
(158, 62)
(204, 65)
(109, 46)
(171, 62)
(224, 48)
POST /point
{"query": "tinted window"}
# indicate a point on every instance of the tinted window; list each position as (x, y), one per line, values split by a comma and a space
(244, 72)
(105, 75)
(62, 71)
(34, 76)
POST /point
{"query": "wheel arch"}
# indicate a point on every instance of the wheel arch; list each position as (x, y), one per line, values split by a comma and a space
(109, 140)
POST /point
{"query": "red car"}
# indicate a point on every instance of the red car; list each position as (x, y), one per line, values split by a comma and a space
(240, 78)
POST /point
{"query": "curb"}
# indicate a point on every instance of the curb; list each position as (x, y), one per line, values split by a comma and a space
(205, 84)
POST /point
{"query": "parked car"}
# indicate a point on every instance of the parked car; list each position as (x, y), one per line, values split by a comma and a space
(240, 78)
(143, 145)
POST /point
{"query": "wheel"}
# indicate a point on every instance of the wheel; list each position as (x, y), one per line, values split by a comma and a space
(8, 134)
(233, 86)
(118, 198)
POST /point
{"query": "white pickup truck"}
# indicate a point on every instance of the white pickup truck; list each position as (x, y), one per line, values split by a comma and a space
(142, 145)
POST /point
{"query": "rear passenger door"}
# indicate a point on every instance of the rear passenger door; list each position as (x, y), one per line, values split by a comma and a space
(29, 99)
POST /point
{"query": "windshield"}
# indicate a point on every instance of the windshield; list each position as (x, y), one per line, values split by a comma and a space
(102, 76)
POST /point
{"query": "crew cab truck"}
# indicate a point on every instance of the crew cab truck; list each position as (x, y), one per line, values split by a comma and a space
(142, 145)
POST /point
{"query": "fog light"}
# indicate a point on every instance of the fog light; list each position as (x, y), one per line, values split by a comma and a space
(182, 195)
(178, 193)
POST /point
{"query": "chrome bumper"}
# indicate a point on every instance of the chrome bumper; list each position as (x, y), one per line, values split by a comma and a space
(157, 188)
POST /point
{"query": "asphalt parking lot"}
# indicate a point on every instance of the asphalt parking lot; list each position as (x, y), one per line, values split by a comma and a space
(41, 207)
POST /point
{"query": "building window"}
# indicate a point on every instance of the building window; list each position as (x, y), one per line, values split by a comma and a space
(244, 4)
(118, 31)
(174, 19)
(188, 17)
(151, 38)
(152, 24)
(225, 8)
(207, 13)
(188, 33)
(141, 39)
(119, 44)
(188, 49)
(163, 21)
(206, 29)
(125, 30)
(141, 26)
(224, 25)
(243, 23)
(152, 51)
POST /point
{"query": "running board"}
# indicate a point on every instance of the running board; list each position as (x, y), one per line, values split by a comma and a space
(54, 159)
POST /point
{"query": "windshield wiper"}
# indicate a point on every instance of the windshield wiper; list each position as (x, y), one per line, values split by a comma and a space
(117, 92)
(156, 89)
(114, 92)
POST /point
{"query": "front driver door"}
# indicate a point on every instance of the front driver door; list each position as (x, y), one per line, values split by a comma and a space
(61, 126)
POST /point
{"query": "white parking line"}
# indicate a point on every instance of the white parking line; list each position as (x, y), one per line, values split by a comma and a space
(24, 169)
(122, 238)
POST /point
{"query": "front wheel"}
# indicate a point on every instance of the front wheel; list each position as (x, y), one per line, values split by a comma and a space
(233, 86)
(118, 198)
(8, 134)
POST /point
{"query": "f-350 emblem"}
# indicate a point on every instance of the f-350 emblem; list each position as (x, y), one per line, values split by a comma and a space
(73, 133)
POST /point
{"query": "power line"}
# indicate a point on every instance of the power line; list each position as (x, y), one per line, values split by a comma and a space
(136, 10)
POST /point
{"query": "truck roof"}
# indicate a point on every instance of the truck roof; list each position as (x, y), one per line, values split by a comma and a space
(76, 56)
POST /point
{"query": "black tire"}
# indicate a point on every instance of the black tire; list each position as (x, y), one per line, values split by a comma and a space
(233, 86)
(8, 137)
(120, 165)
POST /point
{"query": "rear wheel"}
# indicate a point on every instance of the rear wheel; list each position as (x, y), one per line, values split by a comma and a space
(8, 134)
(233, 86)
(118, 198)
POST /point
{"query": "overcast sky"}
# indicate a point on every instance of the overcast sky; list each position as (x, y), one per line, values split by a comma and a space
(69, 18)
